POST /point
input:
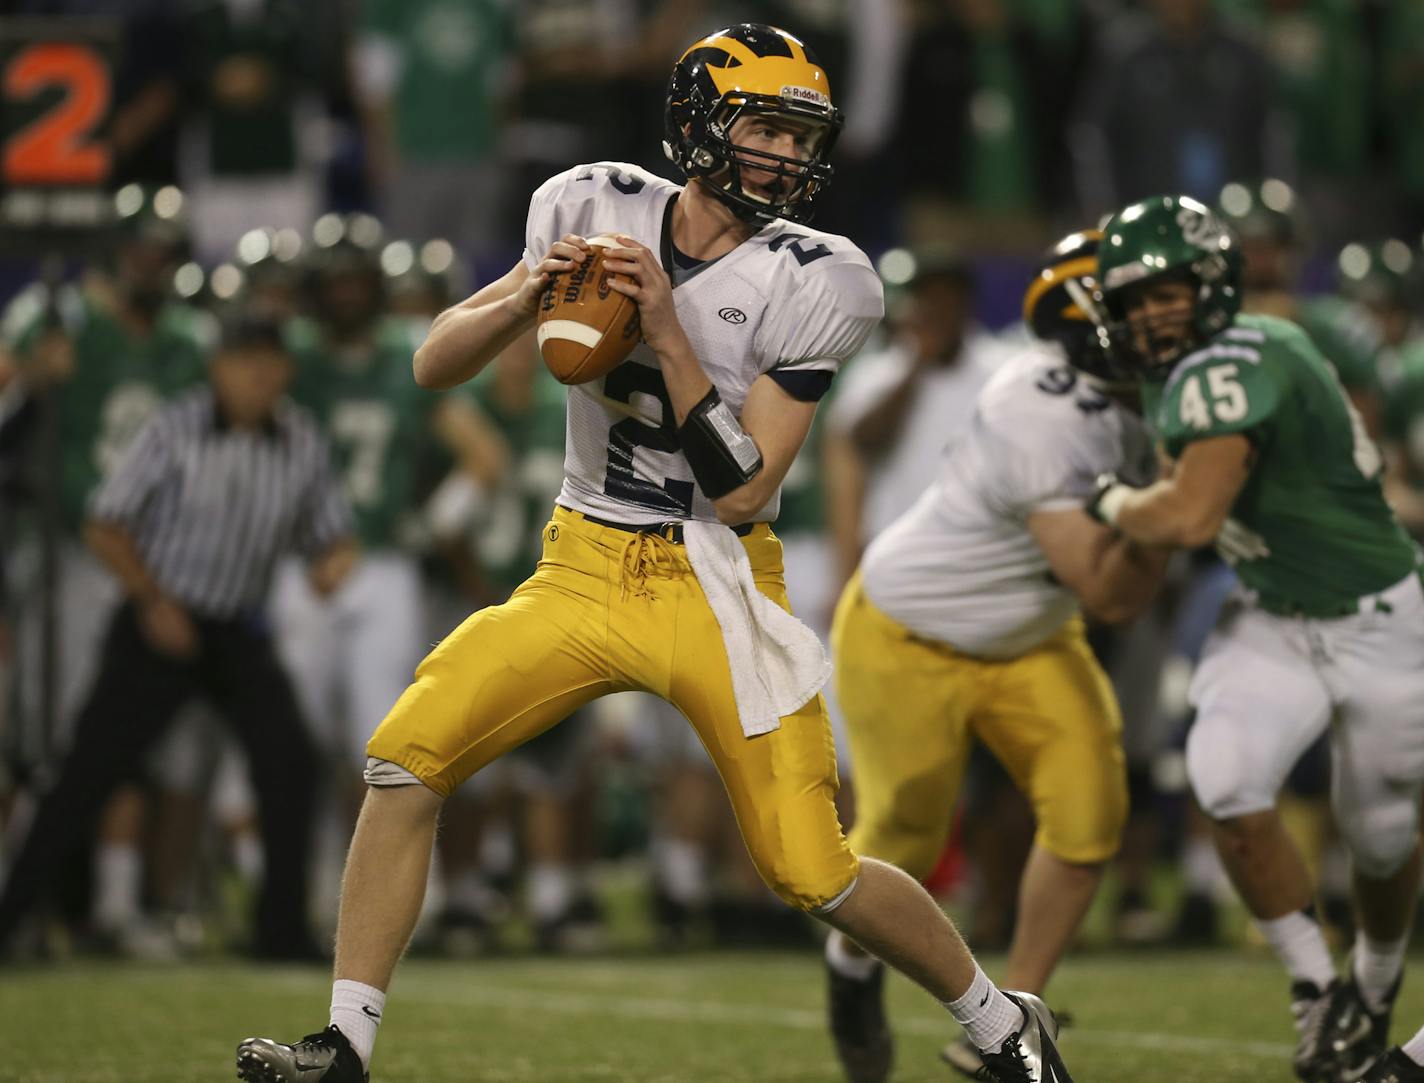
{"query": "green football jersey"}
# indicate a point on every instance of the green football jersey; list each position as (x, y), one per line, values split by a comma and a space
(451, 51)
(1313, 494)
(508, 539)
(120, 380)
(376, 417)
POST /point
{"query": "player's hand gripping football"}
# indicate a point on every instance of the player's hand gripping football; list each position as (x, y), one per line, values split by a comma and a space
(562, 256)
(649, 288)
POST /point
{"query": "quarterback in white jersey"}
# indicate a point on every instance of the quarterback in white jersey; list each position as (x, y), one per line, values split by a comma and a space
(790, 302)
(745, 315)
(964, 614)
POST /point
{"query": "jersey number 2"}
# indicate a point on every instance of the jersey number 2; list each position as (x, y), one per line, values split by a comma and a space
(621, 481)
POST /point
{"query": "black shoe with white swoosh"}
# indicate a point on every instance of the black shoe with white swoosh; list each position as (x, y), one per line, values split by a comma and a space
(324, 1057)
(1028, 1056)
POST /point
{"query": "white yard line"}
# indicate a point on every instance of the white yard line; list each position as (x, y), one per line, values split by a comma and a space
(702, 1011)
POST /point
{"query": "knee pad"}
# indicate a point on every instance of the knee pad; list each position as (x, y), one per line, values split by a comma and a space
(1223, 785)
(1380, 840)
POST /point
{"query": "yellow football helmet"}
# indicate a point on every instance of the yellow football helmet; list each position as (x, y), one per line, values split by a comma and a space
(750, 69)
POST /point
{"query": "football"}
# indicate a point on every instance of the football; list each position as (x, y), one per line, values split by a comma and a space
(585, 326)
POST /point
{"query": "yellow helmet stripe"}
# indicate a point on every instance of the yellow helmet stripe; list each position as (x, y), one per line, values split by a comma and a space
(1056, 276)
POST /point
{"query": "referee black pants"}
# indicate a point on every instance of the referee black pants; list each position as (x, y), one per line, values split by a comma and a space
(130, 707)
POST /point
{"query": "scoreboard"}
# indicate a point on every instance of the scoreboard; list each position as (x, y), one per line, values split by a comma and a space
(56, 101)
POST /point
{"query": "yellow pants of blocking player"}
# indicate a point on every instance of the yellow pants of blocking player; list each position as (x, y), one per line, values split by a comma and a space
(913, 706)
(612, 611)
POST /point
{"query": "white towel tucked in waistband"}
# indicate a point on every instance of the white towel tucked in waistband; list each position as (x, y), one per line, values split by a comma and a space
(777, 662)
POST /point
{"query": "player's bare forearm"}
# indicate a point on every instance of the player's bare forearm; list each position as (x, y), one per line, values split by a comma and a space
(1113, 577)
(1157, 515)
(114, 547)
(466, 338)
(778, 424)
(1187, 509)
(1129, 576)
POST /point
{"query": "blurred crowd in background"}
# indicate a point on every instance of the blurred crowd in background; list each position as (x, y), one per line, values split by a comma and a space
(355, 167)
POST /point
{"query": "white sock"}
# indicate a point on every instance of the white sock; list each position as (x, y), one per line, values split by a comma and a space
(1414, 1048)
(1300, 946)
(682, 870)
(847, 962)
(986, 1015)
(119, 872)
(1377, 964)
(550, 890)
(356, 1011)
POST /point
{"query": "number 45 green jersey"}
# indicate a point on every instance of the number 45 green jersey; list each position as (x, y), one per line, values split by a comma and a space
(1313, 495)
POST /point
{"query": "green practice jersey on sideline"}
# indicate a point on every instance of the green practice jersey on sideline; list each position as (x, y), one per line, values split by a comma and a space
(376, 417)
(120, 380)
(1313, 494)
(508, 539)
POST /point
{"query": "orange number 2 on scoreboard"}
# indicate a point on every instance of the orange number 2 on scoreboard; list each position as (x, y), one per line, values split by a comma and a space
(55, 149)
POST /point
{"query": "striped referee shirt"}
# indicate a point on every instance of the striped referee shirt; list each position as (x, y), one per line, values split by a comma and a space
(211, 508)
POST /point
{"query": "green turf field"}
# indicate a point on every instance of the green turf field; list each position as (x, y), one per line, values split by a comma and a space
(1208, 1017)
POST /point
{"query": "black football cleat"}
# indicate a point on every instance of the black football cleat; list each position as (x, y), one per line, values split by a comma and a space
(1325, 1021)
(1356, 1057)
(324, 1057)
(1394, 1067)
(1028, 1056)
(961, 1055)
(862, 1035)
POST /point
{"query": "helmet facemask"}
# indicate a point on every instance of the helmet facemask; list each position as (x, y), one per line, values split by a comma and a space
(1154, 343)
(711, 156)
(1091, 347)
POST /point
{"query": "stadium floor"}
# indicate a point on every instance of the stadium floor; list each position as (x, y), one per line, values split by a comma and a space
(1186, 1017)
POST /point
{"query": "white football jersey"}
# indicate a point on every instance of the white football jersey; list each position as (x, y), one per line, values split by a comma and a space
(789, 297)
(960, 566)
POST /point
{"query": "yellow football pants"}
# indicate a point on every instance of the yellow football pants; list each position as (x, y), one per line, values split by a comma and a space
(912, 707)
(611, 611)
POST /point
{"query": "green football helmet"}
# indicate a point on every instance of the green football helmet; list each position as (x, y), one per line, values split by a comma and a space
(1267, 211)
(1168, 238)
(1383, 275)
